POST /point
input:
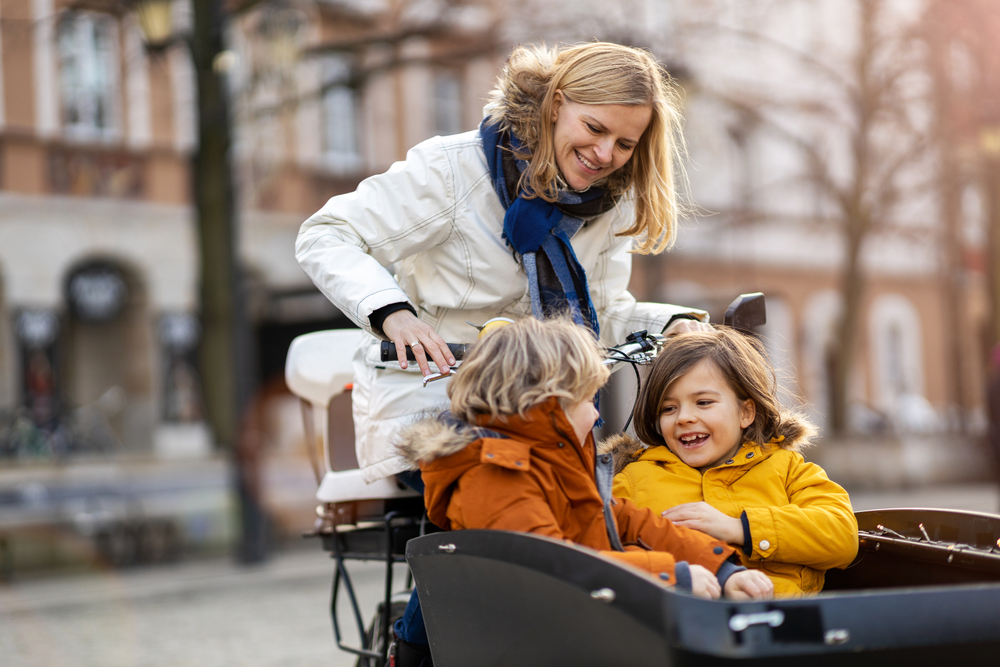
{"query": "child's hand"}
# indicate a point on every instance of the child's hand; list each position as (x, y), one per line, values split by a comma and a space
(704, 584)
(749, 585)
(702, 516)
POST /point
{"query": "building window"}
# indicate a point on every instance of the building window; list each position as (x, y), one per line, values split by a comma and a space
(88, 74)
(447, 103)
(898, 363)
(340, 117)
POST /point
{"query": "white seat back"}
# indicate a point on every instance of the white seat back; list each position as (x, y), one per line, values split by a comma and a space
(319, 364)
(319, 367)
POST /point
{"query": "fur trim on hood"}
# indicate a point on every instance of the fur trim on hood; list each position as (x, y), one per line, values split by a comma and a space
(794, 434)
(431, 438)
(624, 447)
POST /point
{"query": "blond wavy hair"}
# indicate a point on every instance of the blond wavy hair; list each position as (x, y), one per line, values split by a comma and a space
(599, 73)
(522, 364)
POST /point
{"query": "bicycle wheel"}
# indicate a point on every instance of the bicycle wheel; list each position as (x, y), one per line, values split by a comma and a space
(375, 639)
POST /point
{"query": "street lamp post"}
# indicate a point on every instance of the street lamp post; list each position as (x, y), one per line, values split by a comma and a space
(223, 359)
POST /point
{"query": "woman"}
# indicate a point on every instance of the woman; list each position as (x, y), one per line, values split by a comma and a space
(576, 163)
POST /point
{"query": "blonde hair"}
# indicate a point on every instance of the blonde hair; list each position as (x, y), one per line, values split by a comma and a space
(522, 364)
(599, 73)
(742, 361)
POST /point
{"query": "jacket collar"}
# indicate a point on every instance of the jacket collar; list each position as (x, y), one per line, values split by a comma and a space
(749, 454)
(543, 424)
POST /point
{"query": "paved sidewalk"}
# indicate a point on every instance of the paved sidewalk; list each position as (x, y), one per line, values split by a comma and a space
(218, 614)
(209, 614)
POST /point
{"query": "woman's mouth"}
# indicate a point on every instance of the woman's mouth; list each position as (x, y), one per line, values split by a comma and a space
(587, 164)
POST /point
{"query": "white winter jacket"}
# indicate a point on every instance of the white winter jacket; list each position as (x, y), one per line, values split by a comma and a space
(436, 220)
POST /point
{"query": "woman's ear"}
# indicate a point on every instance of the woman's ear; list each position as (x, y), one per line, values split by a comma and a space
(557, 100)
(748, 412)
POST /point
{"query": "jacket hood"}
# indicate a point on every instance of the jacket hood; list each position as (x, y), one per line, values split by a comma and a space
(624, 447)
(797, 434)
(431, 438)
(445, 449)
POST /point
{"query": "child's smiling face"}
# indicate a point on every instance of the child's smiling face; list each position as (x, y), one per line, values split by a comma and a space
(701, 419)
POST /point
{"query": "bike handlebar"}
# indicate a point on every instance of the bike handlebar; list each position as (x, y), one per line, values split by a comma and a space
(746, 311)
(638, 344)
(388, 351)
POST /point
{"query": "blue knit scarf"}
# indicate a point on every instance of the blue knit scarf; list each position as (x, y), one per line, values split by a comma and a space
(540, 232)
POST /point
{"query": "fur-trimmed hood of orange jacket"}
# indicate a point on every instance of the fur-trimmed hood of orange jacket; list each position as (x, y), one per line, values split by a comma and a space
(530, 474)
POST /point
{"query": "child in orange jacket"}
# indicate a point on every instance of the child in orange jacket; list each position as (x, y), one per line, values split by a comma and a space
(718, 454)
(517, 454)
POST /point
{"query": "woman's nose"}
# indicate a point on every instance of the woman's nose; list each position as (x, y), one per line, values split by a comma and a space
(604, 150)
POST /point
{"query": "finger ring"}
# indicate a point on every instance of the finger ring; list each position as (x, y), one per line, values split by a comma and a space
(415, 343)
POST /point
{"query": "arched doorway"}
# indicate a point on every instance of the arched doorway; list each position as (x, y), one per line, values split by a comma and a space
(818, 319)
(896, 338)
(108, 349)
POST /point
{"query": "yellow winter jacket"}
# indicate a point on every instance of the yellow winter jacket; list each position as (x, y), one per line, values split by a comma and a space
(801, 523)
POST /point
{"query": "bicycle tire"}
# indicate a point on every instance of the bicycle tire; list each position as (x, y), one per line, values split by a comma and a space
(396, 609)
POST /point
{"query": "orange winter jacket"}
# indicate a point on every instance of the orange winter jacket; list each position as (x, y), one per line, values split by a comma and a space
(538, 480)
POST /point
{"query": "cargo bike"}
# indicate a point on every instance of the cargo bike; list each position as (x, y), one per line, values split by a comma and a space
(923, 590)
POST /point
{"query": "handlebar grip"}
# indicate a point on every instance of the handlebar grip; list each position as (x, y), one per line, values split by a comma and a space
(624, 352)
(388, 351)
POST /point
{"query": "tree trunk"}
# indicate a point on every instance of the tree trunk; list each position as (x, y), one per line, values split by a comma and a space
(857, 219)
(225, 338)
(213, 199)
(846, 331)
(949, 178)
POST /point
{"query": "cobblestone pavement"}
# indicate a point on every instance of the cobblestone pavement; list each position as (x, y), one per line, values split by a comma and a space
(216, 613)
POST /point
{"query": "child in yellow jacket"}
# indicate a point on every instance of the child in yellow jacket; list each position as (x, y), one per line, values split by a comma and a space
(718, 454)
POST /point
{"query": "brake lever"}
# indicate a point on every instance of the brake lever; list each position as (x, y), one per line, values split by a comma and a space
(639, 347)
(438, 376)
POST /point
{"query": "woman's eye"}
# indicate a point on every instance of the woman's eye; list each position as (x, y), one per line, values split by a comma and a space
(626, 147)
(705, 402)
(592, 128)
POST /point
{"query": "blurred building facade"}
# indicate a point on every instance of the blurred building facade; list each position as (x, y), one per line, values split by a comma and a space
(98, 263)
(815, 143)
(98, 275)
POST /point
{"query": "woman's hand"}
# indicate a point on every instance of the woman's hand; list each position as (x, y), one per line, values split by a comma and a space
(749, 585)
(404, 328)
(702, 516)
(684, 325)
(704, 584)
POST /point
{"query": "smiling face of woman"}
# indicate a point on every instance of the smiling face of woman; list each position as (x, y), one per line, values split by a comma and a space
(592, 141)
